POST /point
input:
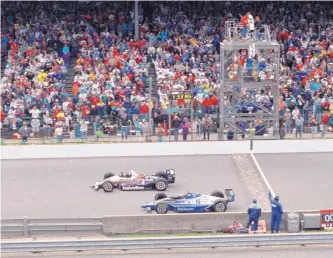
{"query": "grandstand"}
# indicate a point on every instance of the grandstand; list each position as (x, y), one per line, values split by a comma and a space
(80, 60)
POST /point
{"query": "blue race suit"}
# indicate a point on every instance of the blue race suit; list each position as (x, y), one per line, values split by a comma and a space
(277, 212)
(254, 211)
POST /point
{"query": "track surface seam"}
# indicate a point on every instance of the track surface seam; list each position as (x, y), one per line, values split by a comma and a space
(252, 179)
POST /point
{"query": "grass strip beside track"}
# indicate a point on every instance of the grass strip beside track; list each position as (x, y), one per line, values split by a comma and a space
(164, 235)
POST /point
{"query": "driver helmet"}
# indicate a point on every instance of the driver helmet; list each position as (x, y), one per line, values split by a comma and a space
(121, 174)
(129, 174)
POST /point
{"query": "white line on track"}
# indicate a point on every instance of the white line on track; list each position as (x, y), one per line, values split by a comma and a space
(262, 174)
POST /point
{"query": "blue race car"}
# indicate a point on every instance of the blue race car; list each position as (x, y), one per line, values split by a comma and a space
(191, 202)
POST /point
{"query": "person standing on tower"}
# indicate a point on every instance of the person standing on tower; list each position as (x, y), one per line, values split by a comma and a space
(250, 22)
(244, 23)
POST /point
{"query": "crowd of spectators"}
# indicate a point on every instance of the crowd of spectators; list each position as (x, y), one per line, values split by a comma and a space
(181, 39)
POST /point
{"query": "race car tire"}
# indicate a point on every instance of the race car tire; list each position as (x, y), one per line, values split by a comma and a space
(107, 186)
(161, 208)
(217, 193)
(220, 206)
(161, 174)
(160, 196)
(108, 175)
(161, 185)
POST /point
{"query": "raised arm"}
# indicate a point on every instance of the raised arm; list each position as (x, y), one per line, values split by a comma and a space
(271, 199)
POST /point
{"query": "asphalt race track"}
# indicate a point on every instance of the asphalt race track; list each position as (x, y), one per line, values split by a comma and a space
(303, 181)
(57, 188)
(61, 187)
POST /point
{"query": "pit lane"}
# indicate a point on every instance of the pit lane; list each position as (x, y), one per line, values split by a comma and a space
(55, 188)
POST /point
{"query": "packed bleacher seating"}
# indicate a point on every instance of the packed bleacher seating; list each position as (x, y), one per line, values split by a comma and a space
(42, 41)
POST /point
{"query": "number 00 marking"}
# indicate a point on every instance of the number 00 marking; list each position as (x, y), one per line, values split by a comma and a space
(328, 218)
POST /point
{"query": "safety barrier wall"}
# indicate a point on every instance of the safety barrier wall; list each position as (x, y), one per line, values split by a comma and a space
(180, 223)
(177, 223)
(36, 227)
(150, 223)
(164, 149)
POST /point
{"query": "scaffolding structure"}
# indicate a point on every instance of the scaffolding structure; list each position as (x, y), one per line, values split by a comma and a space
(239, 82)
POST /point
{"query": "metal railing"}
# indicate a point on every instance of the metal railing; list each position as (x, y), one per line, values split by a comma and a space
(261, 33)
(255, 74)
(166, 242)
(237, 134)
(35, 227)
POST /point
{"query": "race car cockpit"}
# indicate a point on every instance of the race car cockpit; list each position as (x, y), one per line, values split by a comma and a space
(181, 196)
(191, 195)
(130, 174)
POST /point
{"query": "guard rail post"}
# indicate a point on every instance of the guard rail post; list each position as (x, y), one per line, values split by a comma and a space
(25, 226)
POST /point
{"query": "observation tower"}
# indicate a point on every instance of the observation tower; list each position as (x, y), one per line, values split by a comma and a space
(249, 73)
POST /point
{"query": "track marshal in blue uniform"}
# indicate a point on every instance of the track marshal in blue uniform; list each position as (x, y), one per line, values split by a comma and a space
(254, 212)
(277, 212)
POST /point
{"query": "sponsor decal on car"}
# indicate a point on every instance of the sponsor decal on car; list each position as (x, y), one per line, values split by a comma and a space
(131, 188)
(139, 181)
(184, 209)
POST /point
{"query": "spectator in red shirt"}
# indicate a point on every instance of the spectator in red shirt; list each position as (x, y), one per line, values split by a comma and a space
(144, 110)
(85, 112)
(94, 101)
(181, 102)
(214, 102)
(325, 120)
(75, 88)
(56, 109)
(244, 25)
(3, 115)
(206, 104)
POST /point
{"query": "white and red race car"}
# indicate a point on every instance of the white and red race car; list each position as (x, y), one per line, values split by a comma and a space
(133, 181)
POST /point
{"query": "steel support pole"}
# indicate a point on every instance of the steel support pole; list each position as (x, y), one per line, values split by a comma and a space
(150, 122)
(136, 19)
(222, 75)
(169, 116)
(191, 120)
(276, 97)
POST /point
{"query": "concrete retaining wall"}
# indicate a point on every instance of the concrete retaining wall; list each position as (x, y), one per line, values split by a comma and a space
(163, 149)
(179, 223)
(150, 223)
(184, 223)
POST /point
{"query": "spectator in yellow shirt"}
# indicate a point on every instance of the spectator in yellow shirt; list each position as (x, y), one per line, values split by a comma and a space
(92, 76)
(42, 77)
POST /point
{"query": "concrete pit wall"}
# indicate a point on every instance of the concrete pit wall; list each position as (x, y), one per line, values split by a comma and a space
(179, 223)
(185, 223)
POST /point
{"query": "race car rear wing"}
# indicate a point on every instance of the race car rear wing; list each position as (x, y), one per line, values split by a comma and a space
(170, 175)
(230, 195)
(170, 171)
